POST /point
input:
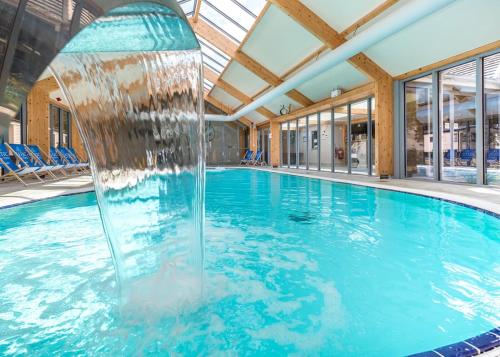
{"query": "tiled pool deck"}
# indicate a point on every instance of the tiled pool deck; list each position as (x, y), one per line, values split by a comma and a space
(480, 197)
(13, 193)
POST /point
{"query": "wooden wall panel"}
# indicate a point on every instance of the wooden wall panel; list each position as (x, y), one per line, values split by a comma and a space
(275, 143)
(38, 117)
(384, 127)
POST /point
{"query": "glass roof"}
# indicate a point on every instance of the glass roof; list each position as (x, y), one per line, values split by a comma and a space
(187, 6)
(233, 18)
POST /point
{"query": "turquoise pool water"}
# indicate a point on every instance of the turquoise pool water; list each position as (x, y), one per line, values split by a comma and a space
(293, 266)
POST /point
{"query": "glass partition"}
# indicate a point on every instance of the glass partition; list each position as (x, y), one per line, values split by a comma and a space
(326, 140)
(302, 140)
(341, 135)
(284, 144)
(457, 122)
(359, 137)
(491, 69)
(418, 124)
(313, 144)
(293, 143)
(373, 118)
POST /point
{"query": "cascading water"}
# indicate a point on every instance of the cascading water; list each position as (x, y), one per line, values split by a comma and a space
(136, 93)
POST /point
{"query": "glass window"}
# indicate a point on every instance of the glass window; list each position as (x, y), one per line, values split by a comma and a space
(54, 126)
(187, 6)
(265, 145)
(373, 126)
(60, 122)
(457, 123)
(235, 11)
(326, 140)
(284, 144)
(492, 118)
(212, 64)
(313, 152)
(359, 137)
(340, 120)
(208, 50)
(255, 6)
(418, 124)
(15, 132)
(221, 21)
(293, 143)
(302, 142)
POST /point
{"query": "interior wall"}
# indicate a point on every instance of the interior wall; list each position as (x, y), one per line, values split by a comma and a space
(38, 118)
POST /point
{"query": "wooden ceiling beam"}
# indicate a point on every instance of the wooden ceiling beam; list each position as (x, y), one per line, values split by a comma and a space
(216, 38)
(210, 75)
(228, 47)
(319, 28)
(197, 11)
(216, 103)
(242, 97)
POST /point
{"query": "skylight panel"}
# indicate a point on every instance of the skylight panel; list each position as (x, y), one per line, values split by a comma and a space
(235, 12)
(222, 22)
(213, 54)
(187, 6)
(212, 64)
(206, 82)
(213, 48)
(255, 6)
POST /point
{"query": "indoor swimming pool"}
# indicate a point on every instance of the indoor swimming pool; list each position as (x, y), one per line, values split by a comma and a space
(292, 266)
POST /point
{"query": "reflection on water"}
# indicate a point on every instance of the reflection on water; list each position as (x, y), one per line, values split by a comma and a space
(139, 114)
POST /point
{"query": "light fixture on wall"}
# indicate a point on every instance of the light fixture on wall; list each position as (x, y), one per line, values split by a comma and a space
(336, 92)
(285, 110)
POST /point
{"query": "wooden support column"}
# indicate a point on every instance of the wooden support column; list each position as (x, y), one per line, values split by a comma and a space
(275, 143)
(38, 116)
(384, 140)
(76, 141)
(253, 138)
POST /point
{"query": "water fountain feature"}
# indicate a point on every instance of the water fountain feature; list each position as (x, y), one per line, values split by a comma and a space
(138, 104)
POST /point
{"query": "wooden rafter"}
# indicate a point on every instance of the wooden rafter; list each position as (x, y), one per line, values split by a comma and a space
(319, 28)
(242, 97)
(216, 103)
(196, 13)
(228, 47)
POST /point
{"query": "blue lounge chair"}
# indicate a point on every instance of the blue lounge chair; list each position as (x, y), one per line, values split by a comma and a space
(467, 155)
(12, 170)
(258, 159)
(247, 158)
(25, 160)
(70, 159)
(493, 157)
(36, 154)
(72, 151)
(56, 158)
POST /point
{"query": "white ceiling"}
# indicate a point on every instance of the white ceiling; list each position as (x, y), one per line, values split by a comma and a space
(461, 26)
(256, 117)
(225, 98)
(241, 78)
(276, 104)
(279, 43)
(343, 76)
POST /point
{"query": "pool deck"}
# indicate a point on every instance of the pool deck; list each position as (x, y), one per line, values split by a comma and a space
(13, 193)
(483, 197)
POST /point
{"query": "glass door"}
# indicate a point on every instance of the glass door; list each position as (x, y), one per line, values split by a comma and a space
(325, 119)
(341, 137)
(302, 142)
(359, 138)
(457, 123)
